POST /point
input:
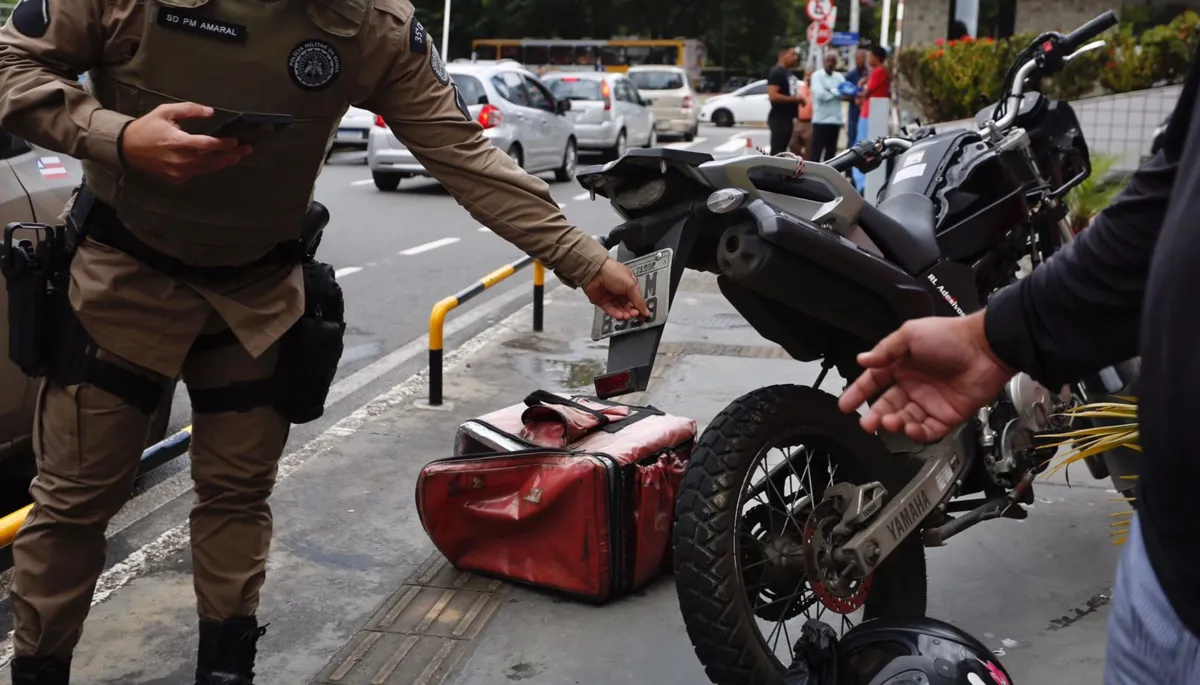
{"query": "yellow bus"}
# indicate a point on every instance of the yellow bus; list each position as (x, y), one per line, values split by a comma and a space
(617, 54)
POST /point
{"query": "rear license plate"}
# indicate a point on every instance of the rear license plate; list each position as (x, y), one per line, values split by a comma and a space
(653, 272)
(351, 133)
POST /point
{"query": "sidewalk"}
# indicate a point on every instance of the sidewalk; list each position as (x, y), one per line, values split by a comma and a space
(1036, 591)
(355, 593)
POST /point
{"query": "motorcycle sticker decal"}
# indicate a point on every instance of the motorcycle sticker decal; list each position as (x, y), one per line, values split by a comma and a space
(997, 674)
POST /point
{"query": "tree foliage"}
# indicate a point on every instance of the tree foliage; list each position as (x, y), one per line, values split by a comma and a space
(740, 35)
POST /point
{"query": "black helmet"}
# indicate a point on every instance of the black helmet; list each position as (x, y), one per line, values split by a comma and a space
(921, 651)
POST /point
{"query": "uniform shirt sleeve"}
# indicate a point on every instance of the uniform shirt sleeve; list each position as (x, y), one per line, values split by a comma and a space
(1081, 310)
(44, 47)
(419, 102)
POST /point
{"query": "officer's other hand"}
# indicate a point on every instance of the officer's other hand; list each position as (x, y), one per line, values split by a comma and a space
(933, 373)
(616, 291)
(155, 144)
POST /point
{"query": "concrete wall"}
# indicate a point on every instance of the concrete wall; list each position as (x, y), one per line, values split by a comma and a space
(927, 20)
(1119, 125)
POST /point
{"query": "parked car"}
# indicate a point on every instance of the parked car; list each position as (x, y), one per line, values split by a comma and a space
(353, 130)
(746, 105)
(607, 110)
(672, 97)
(518, 113)
(35, 185)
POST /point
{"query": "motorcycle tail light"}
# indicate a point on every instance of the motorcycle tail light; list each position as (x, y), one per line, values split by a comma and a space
(613, 384)
(490, 116)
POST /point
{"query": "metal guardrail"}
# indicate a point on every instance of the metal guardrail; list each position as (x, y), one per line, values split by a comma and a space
(437, 317)
(154, 456)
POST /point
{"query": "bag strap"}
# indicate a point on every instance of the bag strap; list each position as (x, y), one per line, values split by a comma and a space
(542, 397)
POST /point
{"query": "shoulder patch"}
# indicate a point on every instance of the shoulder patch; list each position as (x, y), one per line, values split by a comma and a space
(32, 17)
(438, 66)
(418, 38)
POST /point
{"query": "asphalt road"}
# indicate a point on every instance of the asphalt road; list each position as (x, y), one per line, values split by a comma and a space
(397, 253)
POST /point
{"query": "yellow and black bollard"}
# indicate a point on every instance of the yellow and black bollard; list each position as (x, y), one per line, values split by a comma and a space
(437, 317)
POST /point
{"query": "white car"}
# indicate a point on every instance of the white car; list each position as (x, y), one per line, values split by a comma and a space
(353, 130)
(518, 113)
(608, 111)
(746, 105)
(671, 96)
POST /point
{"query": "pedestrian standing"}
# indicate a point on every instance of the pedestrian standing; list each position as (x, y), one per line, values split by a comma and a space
(186, 259)
(855, 75)
(827, 110)
(782, 93)
(802, 133)
(875, 85)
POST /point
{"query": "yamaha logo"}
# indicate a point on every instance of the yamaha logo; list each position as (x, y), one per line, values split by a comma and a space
(314, 65)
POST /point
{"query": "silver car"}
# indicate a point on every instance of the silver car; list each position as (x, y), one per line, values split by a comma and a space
(676, 109)
(352, 130)
(518, 114)
(609, 112)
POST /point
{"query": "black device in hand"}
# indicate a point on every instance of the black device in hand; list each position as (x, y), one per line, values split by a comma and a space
(249, 128)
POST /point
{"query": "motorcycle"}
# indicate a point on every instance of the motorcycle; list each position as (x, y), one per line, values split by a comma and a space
(838, 520)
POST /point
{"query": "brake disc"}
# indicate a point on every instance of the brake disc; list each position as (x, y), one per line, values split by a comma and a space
(831, 584)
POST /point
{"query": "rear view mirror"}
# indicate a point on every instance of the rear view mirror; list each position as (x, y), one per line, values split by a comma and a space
(562, 106)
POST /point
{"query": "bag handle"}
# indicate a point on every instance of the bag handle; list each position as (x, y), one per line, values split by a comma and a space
(542, 397)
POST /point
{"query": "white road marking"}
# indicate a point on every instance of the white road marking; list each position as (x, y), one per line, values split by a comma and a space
(683, 144)
(432, 245)
(174, 540)
(346, 271)
(363, 182)
(583, 196)
(736, 143)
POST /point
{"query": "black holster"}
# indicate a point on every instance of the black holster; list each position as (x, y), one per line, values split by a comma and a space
(46, 338)
(311, 349)
(32, 261)
(309, 352)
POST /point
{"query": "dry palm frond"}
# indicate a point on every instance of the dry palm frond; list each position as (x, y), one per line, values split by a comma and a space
(1084, 442)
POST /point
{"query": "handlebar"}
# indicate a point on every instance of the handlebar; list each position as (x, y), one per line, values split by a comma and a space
(1047, 55)
(869, 154)
(1075, 39)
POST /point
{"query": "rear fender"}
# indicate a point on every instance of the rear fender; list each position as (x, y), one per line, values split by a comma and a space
(631, 356)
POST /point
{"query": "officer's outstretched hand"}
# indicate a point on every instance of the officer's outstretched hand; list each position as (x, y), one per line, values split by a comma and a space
(616, 291)
(155, 144)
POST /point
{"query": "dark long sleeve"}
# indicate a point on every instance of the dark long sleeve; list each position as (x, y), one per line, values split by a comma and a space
(1081, 310)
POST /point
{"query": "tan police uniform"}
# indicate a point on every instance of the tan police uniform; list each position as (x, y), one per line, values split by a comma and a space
(307, 58)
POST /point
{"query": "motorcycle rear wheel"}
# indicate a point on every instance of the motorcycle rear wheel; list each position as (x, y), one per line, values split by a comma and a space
(710, 585)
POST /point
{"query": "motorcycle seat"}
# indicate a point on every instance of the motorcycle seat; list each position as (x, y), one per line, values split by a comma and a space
(903, 226)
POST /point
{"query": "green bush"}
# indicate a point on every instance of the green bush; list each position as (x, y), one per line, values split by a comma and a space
(951, 80)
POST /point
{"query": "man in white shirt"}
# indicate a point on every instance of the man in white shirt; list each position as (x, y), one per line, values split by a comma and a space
(827, 110)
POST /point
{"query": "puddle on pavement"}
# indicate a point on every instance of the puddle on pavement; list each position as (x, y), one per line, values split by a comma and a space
(532, 343)
(566, 374)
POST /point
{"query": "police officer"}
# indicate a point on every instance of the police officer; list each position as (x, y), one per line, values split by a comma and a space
(183, 264)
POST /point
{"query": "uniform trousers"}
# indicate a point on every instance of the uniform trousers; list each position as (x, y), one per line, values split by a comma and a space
(88, 443)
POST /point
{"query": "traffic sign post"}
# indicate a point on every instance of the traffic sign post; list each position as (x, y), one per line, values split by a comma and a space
(819, 34)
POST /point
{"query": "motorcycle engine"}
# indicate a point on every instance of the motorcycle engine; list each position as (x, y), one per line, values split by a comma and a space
(1009, 428)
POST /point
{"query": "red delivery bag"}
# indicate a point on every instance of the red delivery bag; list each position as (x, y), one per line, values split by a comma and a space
(575, 494)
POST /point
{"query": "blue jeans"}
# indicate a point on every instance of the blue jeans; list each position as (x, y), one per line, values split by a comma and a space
(860, 179)
(1147, 644)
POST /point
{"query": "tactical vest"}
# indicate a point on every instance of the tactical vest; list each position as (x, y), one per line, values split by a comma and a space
(296, 57)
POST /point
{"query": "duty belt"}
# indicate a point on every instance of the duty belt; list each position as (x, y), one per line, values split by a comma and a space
(91, 218)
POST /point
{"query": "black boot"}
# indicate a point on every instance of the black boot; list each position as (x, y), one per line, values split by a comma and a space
(37, 670)
(227, 650)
